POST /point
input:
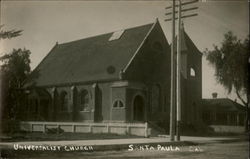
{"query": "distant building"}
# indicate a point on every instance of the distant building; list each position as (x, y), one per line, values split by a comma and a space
(221, 112)
(122, 76)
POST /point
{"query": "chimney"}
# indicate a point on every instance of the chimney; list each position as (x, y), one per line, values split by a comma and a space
(214, 95)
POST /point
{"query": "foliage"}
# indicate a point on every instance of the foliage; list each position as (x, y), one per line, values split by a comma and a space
(14, 70)
(231, 62)
(9, 34)
(16, 66)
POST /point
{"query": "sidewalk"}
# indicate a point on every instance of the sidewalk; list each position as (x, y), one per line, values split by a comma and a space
(117, 144)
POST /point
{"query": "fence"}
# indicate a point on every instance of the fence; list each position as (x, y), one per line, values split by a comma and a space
(139, 129)
(228, 129)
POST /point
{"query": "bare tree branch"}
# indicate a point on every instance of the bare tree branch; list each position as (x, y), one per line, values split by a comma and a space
(9, 34)
(239, 96)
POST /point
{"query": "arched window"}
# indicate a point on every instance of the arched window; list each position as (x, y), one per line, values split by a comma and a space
(84, 100)
(118, 104)
(63, 101)
(192, 72)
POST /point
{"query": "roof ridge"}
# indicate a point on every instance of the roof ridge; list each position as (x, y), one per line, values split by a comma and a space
(92, 36)
(191, 41)
(74, 58)
(146, 36)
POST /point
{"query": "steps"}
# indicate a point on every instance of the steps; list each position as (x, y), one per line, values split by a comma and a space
(155, 130)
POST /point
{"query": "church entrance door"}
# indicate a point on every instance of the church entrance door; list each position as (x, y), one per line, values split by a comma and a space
(139, 109)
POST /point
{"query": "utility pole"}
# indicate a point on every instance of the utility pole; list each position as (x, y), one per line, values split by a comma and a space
(175, 100)
(178, 73)
(172, 93)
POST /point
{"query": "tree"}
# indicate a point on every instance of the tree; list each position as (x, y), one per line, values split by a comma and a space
(15, 70)
(232, 62)
(9, 34)
(13, 73)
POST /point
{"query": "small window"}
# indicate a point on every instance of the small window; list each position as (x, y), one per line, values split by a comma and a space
(116, 35)
(121, 104)
(64, 101)
(118, 104)
(84, 100)
(192, 72)
(111, 69)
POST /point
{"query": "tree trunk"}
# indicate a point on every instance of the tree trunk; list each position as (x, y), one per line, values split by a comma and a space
(246, 103)
(247, 114)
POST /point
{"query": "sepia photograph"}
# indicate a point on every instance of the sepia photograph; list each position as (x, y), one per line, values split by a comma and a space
(107, 79)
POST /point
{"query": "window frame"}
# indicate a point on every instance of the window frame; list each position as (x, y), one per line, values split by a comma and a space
(33, 105)
(84, 105)
(119, 103)
(159, 107)
(192, 70)
(64, 101)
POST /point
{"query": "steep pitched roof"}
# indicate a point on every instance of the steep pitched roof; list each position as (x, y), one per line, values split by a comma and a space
(222, 104)
(187, 47)
(90, 59)
(189, 44)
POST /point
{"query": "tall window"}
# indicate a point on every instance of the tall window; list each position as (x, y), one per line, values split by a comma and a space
(64, 101)
(33, 105)
(156, 98)
(84, 100)
(192, 72)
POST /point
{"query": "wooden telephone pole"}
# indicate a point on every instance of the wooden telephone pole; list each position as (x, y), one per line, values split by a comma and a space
(172, 94)
(175, 100)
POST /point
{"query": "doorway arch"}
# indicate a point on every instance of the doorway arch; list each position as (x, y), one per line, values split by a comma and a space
(138, 109)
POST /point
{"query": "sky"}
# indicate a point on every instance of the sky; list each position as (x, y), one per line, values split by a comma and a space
(46, 22)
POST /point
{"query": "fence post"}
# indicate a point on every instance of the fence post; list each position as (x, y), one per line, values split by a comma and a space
(44, 128)
(58, 128)
(128, 129)
(146, 129)
(90, 128)
(31, 127)
(107, 127)
(73, 128)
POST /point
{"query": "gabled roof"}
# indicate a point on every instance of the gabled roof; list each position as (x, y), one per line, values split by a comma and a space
(189, 44)
(222, 104)
(90, 59)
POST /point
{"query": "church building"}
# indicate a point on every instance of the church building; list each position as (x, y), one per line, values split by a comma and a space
(118, 77)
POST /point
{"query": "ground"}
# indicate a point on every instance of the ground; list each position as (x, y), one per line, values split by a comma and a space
(237, 149)
(39, 136)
